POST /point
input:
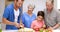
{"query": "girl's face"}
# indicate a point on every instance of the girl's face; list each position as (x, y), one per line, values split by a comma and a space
(39, 18)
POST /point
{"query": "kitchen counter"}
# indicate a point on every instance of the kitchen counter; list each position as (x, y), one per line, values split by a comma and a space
(25, 29)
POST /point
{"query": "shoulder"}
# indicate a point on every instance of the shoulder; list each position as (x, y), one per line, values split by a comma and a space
(34, 21)
(34, 14)
(45, 11)
(24, 14)
(10, 6)
(56, 11)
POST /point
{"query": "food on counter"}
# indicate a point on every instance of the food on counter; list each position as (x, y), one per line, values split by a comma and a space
(41, 30)
(0, 30)
(31, 30)
(45, 30)
(26, 30)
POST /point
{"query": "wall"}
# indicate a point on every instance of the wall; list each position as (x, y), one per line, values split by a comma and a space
(2, 6)
(39, 5)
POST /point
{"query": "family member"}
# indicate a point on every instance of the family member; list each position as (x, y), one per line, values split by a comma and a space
(52, 15)
(28, 16)
(12, 13)
(39, 22)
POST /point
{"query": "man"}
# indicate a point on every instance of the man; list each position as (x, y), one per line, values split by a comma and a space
(52, 16)
(28, 16)
(12, 13)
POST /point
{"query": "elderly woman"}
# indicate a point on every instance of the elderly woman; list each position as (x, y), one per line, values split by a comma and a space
(28, 17)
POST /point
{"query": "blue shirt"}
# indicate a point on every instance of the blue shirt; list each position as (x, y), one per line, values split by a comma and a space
(27, 20)
(9, 15)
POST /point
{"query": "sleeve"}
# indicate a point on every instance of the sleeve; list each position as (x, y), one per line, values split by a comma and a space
(58, 17)
(6, 13)
(34, 17)
(23, 19)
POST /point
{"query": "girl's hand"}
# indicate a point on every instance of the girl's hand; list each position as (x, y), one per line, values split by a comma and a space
(44, 26)
(36, 28)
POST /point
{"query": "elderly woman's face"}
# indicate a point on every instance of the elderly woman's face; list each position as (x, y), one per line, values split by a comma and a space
(30, 9)
(49, 5)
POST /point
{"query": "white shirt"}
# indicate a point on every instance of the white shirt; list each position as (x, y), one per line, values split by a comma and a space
(16, 14)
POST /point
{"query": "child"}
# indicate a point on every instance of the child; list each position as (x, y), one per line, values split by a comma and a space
(39, 22)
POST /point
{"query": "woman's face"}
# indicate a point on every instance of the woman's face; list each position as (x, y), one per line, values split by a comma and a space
(39, 18)
(30, 9)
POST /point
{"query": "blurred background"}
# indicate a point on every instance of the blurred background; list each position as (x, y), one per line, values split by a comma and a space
(39, 5)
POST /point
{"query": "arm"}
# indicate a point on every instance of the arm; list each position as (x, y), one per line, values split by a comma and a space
(58, 20)
(23, 19)
(44, 26)
(56, 26)
(5, 21)
(33, 26)
(6, 16)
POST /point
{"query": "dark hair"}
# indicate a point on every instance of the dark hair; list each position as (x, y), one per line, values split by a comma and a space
(21, 0)
(40, 13)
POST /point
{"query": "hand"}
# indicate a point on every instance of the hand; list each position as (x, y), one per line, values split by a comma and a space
(44, 26)
(22, 25)
(36, 28)
(50, 28)
(16, 24)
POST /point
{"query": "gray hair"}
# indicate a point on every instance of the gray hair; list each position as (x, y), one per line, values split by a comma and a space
(31, 5)
(52, 1)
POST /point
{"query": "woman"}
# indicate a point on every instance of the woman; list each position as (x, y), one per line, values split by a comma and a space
(28, 16)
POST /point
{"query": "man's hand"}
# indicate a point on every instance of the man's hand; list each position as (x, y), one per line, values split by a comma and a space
(22, 25)
(50, 28)
(16, 24)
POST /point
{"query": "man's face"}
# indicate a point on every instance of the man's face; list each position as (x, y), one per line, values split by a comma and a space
(30, 9)
(19, 3)
(49, 5)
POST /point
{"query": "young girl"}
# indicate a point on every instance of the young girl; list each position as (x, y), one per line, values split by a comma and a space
(39, 22)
